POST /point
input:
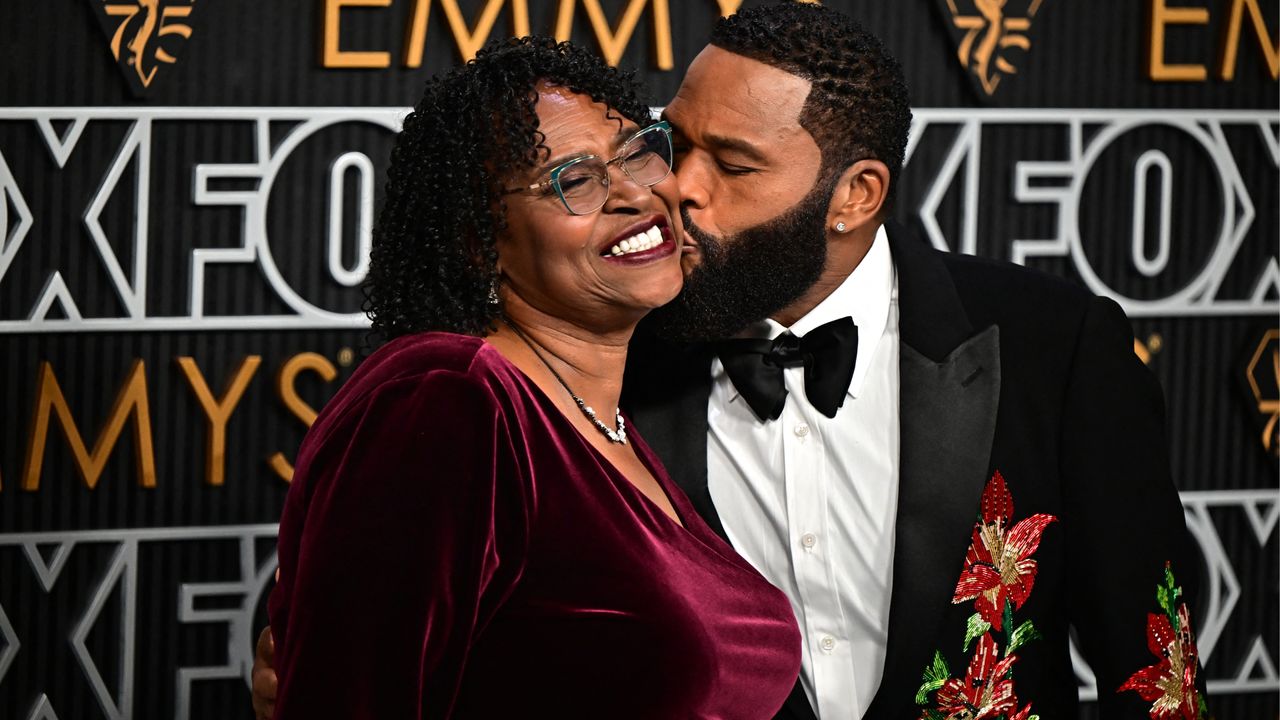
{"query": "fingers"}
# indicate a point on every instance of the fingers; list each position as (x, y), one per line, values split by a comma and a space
(264, 677)
(266, 649)
(264, 693)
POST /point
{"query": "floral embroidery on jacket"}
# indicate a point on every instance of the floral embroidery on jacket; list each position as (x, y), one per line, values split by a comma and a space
(1170, 684)
(998, 575)
(987, 688)
(998, 567)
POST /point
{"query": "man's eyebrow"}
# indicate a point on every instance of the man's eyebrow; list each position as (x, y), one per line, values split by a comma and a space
(742, 147)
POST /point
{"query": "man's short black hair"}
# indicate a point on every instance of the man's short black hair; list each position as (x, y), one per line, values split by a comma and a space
(858, 106)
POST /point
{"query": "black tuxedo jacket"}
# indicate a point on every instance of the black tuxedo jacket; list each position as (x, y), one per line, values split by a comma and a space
(1006, 369)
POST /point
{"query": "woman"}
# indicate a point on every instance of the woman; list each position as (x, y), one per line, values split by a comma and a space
(465, 535)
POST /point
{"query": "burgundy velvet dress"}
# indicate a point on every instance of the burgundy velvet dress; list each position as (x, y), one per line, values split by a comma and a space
(453, 547)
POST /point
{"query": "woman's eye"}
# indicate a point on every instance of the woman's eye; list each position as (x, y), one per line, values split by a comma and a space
(576, 184)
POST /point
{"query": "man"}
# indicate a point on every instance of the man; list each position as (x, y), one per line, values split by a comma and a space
(945, 462)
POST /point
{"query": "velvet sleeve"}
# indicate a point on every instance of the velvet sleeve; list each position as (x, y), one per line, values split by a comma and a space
(1124, 517)
(403, 533)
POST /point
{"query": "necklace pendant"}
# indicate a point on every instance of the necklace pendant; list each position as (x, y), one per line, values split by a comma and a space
(618, 436)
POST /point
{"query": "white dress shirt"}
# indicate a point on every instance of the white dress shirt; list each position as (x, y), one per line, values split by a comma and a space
(811, 501)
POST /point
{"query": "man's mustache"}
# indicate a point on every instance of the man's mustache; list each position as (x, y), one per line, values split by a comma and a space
(703, 238)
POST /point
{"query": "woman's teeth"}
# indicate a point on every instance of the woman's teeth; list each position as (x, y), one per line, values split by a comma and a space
(639, 242)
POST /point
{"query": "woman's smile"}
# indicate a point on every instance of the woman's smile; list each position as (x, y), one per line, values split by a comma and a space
(642, 243)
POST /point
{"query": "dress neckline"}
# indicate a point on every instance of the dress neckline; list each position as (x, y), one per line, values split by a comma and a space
(690, 525)
(642, 450)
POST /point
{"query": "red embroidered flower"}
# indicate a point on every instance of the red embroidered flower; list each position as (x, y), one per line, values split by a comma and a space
(1169, 685)
(987, 689)
(1023, 714)
(998, 567)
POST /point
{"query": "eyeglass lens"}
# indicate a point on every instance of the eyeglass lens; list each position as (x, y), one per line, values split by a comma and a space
(646, 158)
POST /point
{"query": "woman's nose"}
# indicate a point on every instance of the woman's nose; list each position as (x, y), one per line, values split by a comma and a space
(624, 192)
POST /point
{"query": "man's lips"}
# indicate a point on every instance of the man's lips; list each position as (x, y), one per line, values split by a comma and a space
(690, 245)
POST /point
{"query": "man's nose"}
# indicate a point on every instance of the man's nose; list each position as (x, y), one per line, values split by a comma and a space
(692, 183)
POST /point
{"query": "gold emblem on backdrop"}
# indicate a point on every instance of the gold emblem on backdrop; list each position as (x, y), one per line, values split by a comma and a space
(1148, 349)
(992, 37)
(144, 36)
(1263, 376)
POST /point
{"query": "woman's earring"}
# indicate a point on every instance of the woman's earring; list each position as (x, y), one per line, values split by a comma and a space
(840, 227)
(493, 293)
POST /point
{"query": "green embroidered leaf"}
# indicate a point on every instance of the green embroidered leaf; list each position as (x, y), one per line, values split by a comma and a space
(1033, 717)
(974, 629)
(1202, 707)
(1168, 596)
(939, 670)
(1025, 633)
(935, 676)
(922, 695)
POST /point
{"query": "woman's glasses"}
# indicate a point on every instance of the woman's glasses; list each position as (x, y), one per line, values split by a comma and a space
(583, 183)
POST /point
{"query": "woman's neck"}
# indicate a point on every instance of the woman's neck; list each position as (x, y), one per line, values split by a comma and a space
(589, 361)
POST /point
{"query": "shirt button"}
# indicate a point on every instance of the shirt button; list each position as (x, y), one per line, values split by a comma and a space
(827, 643)
(808, 540)
(802, 429)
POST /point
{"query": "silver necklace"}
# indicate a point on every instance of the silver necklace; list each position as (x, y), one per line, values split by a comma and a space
(618, 436)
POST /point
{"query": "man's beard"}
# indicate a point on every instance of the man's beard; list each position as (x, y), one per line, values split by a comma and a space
(747, 277)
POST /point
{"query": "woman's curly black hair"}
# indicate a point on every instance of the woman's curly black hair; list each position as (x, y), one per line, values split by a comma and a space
(858, 105)
(434, 252)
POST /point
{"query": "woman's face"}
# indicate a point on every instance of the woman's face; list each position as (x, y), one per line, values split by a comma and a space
(565, 265)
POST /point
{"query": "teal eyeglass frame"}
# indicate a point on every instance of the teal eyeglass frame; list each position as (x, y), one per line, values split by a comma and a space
(557, 171)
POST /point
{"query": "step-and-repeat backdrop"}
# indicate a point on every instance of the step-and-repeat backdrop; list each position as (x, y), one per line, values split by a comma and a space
(186, 194)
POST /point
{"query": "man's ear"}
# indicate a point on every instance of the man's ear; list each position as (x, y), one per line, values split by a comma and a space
(859, 196)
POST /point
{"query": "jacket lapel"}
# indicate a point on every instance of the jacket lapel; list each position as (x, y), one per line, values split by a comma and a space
(666, 390)
(949, 396)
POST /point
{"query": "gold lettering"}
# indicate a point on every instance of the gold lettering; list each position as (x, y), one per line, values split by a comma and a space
(469, 41)
(131, 400)
(289, 395)
(1231, 42)
(728, 7)
(1162, 15)
(614, 43)
(218, 411)
(334, 56)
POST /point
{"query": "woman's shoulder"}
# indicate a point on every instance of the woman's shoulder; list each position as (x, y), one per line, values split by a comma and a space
(420, 365)
(421, 353)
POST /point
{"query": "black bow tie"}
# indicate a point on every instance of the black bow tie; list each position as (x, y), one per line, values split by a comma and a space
(827, 353)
